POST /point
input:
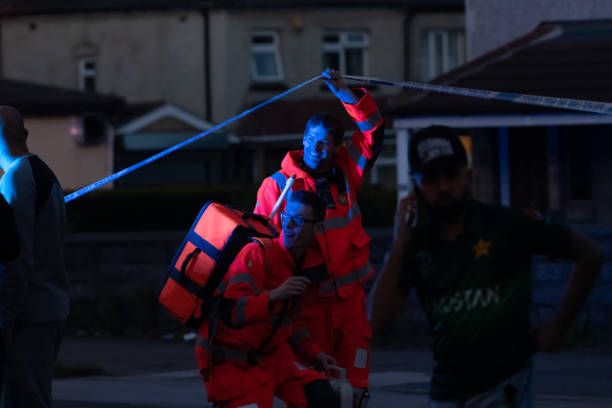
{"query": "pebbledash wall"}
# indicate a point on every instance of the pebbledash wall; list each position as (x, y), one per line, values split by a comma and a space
(115, 276)
(491, 24)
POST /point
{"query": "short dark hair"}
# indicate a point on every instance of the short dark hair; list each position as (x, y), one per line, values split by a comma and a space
(329, 122)
(312, 199)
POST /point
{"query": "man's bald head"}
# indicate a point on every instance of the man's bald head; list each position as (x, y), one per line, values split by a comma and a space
(12, 129)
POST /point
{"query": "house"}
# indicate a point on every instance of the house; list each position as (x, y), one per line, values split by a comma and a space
(289, 44)
(214, 58)
(144, 130)
(556, 161)
(69, 129)
(491, 24)
(549, 159)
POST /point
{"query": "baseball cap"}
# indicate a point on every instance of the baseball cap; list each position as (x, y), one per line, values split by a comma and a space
(435, 148)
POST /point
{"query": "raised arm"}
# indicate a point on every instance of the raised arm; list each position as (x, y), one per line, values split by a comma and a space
(366, 143)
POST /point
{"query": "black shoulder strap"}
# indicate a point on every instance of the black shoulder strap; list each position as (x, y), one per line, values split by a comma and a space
(10, 243)
(44, 180)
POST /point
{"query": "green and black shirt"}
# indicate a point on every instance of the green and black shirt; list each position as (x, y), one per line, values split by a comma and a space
(476, 293)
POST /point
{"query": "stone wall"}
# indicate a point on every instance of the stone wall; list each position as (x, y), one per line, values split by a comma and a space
(115, 277)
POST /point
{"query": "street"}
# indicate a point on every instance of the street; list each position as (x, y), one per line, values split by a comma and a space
(147, 373)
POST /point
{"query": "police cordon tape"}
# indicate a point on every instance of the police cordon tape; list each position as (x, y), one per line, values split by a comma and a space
(548, 101)
(127, 170)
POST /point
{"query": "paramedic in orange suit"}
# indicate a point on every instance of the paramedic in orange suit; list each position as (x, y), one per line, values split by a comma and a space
(249, 359)
(336, 313)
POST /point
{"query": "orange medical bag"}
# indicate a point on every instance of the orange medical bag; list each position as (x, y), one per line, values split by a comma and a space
(217, 235)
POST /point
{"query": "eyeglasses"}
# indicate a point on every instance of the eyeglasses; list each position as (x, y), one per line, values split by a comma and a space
(298, 220)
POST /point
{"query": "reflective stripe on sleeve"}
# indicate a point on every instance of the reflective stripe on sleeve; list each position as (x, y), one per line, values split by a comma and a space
(352, 277)
(357, 157)
(241, 311)
(300, 366)
(341, 222)
(370, 123)
(244, 278)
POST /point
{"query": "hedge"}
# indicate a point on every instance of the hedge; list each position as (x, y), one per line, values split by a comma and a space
(174, 208)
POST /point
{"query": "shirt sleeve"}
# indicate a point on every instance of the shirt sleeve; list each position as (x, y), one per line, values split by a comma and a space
(244, 300)
(537, 235)
(366, 143)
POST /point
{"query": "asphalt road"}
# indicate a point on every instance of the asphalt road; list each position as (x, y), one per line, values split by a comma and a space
(148, 373)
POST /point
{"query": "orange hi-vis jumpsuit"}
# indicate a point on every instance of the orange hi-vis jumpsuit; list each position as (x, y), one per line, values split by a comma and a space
(335, 314)
(250, 360)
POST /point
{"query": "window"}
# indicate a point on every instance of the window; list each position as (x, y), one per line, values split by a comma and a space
(441, 51)
(345, 51)
(87, 74)
(89, 129)
(266, 62)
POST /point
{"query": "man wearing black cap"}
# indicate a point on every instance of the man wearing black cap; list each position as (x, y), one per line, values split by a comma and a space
(470, 265)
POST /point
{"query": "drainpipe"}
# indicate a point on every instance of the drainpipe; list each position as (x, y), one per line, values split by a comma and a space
(208, 91)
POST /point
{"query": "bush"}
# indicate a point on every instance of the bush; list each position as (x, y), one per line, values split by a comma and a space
(150, 209)
(377, 206)
(174, 208)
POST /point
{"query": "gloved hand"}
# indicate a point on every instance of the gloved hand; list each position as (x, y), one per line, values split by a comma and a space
(336, 84)
(323, 362)
(293, 286)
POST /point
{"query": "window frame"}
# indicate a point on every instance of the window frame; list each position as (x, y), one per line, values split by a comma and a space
(85, 73)
(432, 65)
(274, 48)
(345, 44)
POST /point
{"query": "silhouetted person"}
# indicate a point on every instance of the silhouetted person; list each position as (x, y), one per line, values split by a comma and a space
(470, 264)
(35, 293)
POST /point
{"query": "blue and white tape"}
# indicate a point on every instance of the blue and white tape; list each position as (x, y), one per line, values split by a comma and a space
(176, 147)
(549, 101)
(552, 102)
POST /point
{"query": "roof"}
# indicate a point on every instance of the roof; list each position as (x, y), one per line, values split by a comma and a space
(342, 3)
(42, 100)
(20, 7)
(288, 116)
(559, 59)
(133, 111)
(164, 111)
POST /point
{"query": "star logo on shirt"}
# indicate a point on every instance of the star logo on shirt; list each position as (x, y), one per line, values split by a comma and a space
(481, 248)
